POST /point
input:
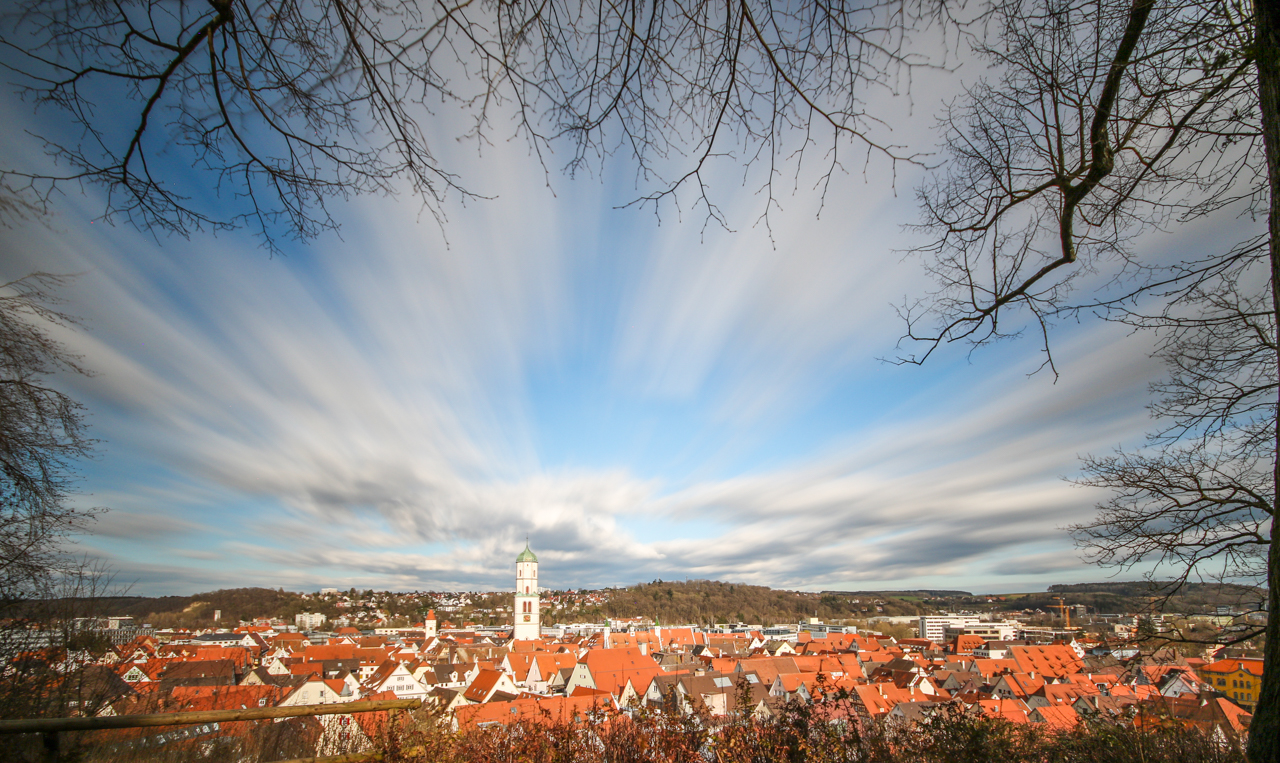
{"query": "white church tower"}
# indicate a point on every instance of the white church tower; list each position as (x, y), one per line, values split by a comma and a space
(528, 622)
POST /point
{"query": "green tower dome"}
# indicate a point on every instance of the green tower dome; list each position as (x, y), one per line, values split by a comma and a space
(526, 555)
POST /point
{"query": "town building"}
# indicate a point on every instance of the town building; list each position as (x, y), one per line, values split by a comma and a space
(933, 627)
(1006, 630)
(1241, 680)
(528, 623)
(309, 620)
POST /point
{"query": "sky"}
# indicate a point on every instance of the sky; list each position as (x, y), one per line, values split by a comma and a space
(400, 405)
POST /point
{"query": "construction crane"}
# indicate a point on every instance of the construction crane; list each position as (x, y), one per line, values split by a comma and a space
(1065, 612)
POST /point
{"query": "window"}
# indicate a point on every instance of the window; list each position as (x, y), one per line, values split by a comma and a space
(262, 702)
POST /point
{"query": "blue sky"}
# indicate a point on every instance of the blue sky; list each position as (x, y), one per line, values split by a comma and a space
(644, 396)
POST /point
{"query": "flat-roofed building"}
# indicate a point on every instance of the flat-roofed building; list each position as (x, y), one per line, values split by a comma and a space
(933, 626)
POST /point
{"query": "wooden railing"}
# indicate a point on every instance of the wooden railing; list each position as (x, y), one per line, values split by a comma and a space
(51, 727)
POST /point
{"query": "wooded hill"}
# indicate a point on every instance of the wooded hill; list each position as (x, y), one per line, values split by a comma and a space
(704, 602)
(238, 604)
(1162, 596)
(197, 611)
(707, 601)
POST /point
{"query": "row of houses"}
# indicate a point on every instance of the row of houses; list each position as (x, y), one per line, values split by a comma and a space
(477, 679)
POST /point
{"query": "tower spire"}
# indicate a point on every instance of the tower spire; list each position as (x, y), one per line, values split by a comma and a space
(528, 625)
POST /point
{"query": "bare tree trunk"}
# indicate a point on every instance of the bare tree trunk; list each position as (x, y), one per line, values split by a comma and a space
(1264, 732)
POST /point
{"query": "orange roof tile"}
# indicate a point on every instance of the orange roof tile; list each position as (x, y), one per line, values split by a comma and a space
(536, 711)
(612, 668)
(1058, 661)
(1056, 717)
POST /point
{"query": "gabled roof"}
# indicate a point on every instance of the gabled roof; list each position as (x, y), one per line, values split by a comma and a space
(197, 698)
(151, 668)
(383, 672)
(526, 645)
(1106, 705)
(238, 655)
(879, 699)
(611, 668)
(519, 662)
(991, 668)
(319, 653)
(199, 673)
(538, 711)
(1057, 661)
(1057, 717)
(920, 644)
(306, 669)
(484, 685)
(832, 665)
(789, 682)
(1012, 710)
(1203, 713)
(550, 664)
(1065, 694)
(965, 644)
(1021, 685)
(768, 668)
(1252, 667)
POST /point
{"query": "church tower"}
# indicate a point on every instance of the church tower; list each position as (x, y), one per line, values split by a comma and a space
(528, 620)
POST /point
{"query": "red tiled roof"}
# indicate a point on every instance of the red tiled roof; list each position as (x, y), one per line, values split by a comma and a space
(878, 699)
(483, 685)
(612, 668)
(537, 711)
(195, 698)
(965, 644)
(1056, 717)
(1253, 667)
(318, 653)
(1012, 710)
(768, 668)
(1058, 661)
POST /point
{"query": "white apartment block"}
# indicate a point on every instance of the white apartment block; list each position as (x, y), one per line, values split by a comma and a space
(1006, 630)
(932, 626)
(309, 620)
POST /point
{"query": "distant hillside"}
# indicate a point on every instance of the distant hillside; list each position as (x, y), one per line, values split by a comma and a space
(925, 593)
(1137, 596)
(235, 604)
(706, 601)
